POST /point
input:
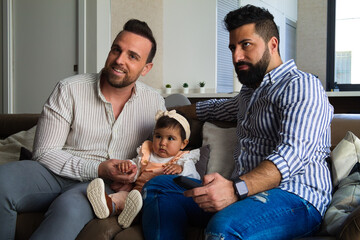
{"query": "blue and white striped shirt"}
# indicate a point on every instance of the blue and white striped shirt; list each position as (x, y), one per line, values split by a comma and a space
(285, 120)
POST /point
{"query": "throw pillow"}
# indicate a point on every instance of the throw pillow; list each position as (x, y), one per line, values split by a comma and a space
(222, 142)
(201, 165)
(10, 147)
(345, 200)
(344, 157)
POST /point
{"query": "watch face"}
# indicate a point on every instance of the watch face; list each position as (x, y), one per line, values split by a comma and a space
(242, 189)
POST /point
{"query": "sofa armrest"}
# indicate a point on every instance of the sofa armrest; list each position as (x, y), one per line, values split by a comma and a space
(13, 123)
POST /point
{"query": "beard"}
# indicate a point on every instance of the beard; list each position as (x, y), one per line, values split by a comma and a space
(255, 74)
(115, 81)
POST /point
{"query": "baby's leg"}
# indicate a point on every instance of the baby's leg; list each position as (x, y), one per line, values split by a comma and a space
(118, 199)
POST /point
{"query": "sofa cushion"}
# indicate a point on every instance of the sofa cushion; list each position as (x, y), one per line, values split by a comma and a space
(221, 142)
(344, 157)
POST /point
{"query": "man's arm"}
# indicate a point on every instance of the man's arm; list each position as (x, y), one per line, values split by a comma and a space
(264, 177)
(213, 109)
(52, 132)
(219, 193)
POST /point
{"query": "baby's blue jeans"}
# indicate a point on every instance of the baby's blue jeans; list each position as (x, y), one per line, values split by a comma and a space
(274, 214)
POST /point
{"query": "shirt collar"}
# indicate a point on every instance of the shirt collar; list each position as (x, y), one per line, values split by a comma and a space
(278, 73)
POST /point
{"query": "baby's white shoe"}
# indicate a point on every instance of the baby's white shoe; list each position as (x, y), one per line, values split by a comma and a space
(133, 205)
(100, 201)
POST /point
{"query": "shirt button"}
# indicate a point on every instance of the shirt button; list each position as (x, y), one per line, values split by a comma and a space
(243, 148)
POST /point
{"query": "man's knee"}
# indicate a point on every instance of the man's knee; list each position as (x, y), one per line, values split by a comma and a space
(72, 205)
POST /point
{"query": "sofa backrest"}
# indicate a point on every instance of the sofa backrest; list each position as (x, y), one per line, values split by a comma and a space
(341, 124)
(13, 123)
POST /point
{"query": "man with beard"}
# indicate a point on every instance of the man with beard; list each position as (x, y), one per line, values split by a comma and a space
(87, 125)
(281, 183)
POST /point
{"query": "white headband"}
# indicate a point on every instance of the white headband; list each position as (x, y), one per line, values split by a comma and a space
(172, 114)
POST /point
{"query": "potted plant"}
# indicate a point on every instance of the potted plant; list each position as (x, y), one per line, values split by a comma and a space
(168, 89)
(185, 88)
(202, 87)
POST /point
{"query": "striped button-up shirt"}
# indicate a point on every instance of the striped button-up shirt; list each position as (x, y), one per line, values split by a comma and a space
(77, 129)
(285, 120)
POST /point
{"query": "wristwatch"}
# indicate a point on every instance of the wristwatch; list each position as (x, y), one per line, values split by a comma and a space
(241, 189)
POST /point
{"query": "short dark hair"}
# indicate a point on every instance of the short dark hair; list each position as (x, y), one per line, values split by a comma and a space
(167, 122)
(141, 28)
(263, 19)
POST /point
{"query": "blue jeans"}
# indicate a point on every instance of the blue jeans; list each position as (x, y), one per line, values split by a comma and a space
(274, 214)
(27, 186)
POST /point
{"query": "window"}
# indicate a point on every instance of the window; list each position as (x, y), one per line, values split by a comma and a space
(343, 67)
(225, 67)
(343, 48)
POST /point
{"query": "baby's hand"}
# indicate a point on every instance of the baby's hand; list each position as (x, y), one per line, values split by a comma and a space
(126, 167)
(170, 169)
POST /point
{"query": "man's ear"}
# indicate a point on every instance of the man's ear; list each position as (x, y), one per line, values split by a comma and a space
(146, 69)
(273, 45)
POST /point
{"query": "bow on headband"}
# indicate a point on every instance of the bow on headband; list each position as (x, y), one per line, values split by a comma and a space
(172, 114)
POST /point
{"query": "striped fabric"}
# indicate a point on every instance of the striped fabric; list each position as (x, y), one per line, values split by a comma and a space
(287, 121)
(77, 129)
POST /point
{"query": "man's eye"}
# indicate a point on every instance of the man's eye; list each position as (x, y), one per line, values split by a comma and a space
(115, 50)
(170, 138)
(246, 44)
(134, 57)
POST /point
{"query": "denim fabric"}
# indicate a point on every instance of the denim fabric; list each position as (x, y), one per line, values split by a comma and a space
(27, 186)
(274, 214)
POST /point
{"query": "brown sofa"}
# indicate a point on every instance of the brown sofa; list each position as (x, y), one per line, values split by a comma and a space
(109, 229)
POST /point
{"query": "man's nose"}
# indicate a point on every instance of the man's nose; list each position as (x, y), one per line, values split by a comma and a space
(238, 55)
(120, 59)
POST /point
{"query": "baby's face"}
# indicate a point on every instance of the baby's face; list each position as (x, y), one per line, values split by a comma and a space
(167, 142)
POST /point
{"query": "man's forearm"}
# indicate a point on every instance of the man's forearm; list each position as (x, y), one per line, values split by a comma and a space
(264, 177)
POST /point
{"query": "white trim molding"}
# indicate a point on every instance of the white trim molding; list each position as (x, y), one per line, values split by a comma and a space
(8, 88)
(82, 36)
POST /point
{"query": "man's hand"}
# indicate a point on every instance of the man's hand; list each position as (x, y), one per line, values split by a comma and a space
(109, 169)
(216, 194)
(170, 169)
(126, 167)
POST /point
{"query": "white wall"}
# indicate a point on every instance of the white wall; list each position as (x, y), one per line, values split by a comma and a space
(189, 43)
(152, 13)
